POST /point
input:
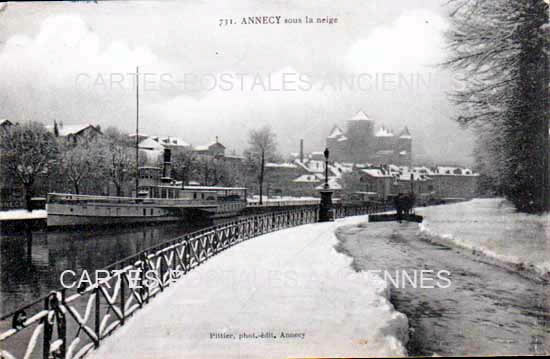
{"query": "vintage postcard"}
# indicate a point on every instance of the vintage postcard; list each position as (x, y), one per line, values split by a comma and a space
(274, 179)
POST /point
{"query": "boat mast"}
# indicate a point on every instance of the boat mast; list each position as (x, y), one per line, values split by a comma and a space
(137, 130)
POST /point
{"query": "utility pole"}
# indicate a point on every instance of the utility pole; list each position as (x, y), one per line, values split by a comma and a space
(137, 130)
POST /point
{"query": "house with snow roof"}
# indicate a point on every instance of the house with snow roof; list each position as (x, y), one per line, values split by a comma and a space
(74, 133)
(5, 123)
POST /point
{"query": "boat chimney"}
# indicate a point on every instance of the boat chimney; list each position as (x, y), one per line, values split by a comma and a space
(167, 165)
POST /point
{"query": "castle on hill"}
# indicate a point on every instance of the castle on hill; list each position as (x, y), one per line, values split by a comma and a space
(361, 143)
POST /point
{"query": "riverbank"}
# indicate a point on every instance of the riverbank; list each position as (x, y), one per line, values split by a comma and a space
(493, 231)
(484, 311)
(21, 219)
(284, 294)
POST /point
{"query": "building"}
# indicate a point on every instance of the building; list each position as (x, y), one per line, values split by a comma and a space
(377, 183)
(280, 179)
(5, 124)
(74, 133)
(429, 184)
(362, 142)
(152, 150)
(213, 149)
(454, 182)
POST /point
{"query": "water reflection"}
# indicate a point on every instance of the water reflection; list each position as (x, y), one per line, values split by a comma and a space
(27, 275)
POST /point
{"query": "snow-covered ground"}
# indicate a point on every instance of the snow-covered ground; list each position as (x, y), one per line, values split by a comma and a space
(16, 214)
(290, 281)
(492, 227)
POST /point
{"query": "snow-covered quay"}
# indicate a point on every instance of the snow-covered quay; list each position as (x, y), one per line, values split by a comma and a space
(22, 214)
(492, 227)
(284, 294)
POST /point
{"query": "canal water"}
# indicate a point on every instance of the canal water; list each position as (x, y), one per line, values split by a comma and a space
(26, 276)
(485, 311)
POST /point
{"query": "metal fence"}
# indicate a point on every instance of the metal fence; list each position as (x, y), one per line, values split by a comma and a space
(68, 323)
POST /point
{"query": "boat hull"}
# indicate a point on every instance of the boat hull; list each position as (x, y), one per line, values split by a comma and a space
(66, 215)
(56, 220)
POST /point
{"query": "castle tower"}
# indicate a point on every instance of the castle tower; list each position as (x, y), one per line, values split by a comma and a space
(337, 144)
(360, 133)
(404, 148)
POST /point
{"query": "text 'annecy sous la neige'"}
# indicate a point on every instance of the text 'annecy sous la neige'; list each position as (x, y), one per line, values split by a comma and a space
(277, 20)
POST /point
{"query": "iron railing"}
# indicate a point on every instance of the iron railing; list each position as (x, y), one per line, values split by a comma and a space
(68, 323)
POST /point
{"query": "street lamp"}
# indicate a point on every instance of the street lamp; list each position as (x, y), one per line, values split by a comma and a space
(325, 206)
(326, 153)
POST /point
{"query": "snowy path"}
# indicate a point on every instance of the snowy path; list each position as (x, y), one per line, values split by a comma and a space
(486, 310)
(290, 281)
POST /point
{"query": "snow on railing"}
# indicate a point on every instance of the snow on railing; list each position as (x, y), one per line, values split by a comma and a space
(68, 323)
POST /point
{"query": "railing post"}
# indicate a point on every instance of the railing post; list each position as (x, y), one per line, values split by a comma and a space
(62, 325)
(142, 286)
(162, 270)
(175, 258)
(47, 330)
(122, 298)
(97, 315)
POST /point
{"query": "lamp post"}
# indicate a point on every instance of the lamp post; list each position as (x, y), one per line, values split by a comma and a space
(326, 153)
(183, 169)
(326, 195)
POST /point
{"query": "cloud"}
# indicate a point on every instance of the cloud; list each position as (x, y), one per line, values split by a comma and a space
(41, 69)
(64, 47)
(412, 43)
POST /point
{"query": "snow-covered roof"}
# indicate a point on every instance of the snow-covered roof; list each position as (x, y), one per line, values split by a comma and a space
(336, 132)
(150, 144)
(406, 176)
(280, 165)
(361, 116)
(67, 130)
(306, 179)
(422, 169)
(403, 153)
(332, 184)
(5, 121)
(384, 132)
(393, 168)
(315, 166)
(173, 141)
(457, 171)
(337, 172)
(405, 134)
(376, 172)
(342, 138)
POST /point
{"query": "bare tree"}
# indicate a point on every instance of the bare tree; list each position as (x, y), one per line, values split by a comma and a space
(262, 147)
(500, 54)
(120, 159)
(185, 166)
(82, 161)
(29, 150)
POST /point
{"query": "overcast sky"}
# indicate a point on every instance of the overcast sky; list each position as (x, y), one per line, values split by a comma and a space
(73, 61)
